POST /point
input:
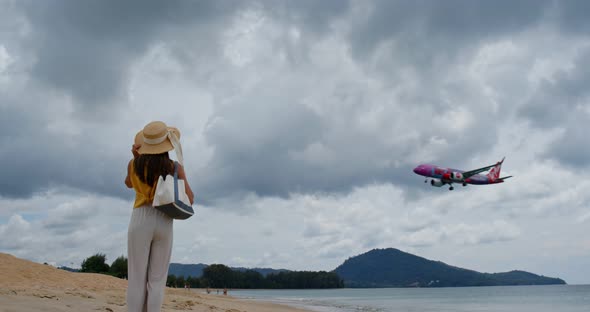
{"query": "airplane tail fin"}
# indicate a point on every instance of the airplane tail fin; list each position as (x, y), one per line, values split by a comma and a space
(494, 173)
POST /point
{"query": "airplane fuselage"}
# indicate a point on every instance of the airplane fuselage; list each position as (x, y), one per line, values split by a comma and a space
(450, 175)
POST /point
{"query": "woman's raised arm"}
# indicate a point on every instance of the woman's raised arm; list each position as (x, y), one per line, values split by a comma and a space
(187, 188)
(128, 179)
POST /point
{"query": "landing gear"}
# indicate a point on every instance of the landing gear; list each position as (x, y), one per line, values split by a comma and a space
(426, 181)
(451, 188)
(464, 184)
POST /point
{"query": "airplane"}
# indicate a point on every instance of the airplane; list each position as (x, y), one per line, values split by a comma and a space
(441, 176)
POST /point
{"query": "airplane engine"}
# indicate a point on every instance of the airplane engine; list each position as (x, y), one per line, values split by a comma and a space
(436, 182)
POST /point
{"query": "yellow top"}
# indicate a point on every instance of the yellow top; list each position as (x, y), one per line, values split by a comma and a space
(144, 194)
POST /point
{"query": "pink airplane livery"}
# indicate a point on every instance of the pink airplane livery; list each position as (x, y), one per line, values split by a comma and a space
(441, 176)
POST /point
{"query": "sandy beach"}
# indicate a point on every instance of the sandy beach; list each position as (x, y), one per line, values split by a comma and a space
(30, 286)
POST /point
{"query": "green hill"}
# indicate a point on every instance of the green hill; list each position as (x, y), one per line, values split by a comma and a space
(394, 268)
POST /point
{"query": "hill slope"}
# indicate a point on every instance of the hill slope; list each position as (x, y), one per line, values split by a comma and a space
(394, 268)
(19, 273)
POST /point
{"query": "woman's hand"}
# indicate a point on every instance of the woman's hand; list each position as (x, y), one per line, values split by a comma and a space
(134, 150)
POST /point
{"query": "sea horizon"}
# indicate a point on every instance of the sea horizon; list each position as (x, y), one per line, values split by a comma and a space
(520, 298)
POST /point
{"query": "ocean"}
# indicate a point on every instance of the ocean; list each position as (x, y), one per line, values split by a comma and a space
(554, 298)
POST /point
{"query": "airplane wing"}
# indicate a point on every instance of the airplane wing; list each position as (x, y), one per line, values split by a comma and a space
(469, 174)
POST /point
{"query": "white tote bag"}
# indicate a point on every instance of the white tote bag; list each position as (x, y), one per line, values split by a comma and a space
(170, 197)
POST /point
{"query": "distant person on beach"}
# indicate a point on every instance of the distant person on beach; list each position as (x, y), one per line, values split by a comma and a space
(149, 238)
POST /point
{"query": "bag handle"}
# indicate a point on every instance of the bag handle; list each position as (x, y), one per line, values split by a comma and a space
(175, 181)
(175, 171)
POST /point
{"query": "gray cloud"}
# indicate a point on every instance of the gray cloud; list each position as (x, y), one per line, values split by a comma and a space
(288, 131)
(86, 49)
(571, 16)
(558, 97)
(426, 31)
(63, 228)
(315, 16)
(85, 52)
(38, 159)
(253, 143)
(561, 102)
(572, 148)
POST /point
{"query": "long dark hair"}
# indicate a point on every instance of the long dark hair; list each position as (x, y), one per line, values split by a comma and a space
(149, 167)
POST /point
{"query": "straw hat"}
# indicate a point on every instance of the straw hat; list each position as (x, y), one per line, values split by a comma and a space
(155, 138)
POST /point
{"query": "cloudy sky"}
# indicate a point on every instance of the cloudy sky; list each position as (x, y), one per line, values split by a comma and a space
(301, 123)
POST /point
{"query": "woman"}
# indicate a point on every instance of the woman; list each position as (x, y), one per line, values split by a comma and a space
(149, 241)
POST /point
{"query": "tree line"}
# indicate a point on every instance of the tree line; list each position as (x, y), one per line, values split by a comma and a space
(97, 264)
(221, 276)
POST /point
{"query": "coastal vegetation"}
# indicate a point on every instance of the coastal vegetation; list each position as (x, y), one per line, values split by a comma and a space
(97, 264)
(221, 276)
(377, 268)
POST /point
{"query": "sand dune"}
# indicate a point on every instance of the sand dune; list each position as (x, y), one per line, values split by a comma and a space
(30, 286)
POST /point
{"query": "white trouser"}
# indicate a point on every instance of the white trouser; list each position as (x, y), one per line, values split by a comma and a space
(149, 245)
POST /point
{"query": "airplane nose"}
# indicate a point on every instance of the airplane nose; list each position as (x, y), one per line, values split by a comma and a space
(416, 170)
